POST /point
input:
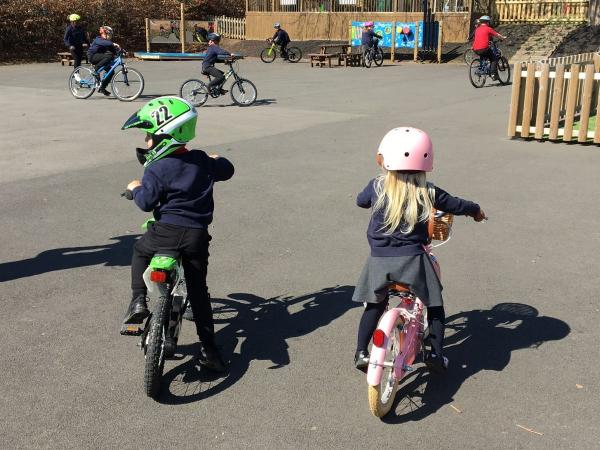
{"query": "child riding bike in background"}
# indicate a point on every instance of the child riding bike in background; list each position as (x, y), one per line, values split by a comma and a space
(369, 38)
(101, 53)
(177, 187)
(208, 64)
(281, 38)
(481, 43)
(402, 200)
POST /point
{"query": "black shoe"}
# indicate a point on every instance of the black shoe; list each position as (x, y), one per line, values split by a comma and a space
(103, 92)
(436, 364)
(223, 91)
(210, 359)
(361, 359)
(137, 310)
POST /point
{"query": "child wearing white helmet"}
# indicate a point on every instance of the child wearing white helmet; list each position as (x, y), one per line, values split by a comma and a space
(281, 38)
(481, 43)
(401, 200)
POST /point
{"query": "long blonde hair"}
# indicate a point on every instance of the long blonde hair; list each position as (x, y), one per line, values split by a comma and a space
(405, 199)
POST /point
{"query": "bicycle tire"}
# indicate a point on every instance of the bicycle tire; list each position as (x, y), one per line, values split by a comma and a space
(124, 81)
(469, 56)
(247, 92)
(194, 91)
(267, 57)
(86, 83)
(294, 54)
(503, 71)
(378, 57)
(477, 79)
(155, 346)
(367, 59)
(381, 397)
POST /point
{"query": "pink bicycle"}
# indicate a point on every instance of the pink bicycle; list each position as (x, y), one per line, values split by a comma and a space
(400, 332)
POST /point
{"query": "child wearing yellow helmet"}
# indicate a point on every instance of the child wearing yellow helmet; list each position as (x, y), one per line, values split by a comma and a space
(75, 38)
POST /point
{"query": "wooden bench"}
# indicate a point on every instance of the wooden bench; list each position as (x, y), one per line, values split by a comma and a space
(319, 59)
(351, 59)
(66, 57)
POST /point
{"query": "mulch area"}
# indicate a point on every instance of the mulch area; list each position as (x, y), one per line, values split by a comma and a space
(583, 40)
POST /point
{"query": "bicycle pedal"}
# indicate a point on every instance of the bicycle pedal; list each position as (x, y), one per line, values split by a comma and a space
(131, 329)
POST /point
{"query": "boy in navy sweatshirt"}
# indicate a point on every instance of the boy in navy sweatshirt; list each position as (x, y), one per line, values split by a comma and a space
(177, 187)
(208, 64)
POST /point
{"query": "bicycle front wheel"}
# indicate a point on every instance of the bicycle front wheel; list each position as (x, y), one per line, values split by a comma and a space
(155, 347)
(194, 91)
(82, 82)
(127, 84)
(294, 54)
(378, 57)
(268, 55)
(476, 74)
(243, 92)
(503, 71)
(381, 397)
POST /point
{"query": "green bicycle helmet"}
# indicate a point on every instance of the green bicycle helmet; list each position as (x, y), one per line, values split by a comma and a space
(170, 120)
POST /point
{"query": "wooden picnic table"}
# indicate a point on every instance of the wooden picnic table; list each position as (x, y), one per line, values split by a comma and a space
(343, 47)
(344, 55)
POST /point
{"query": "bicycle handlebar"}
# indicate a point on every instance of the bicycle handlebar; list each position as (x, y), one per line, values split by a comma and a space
(127, 194)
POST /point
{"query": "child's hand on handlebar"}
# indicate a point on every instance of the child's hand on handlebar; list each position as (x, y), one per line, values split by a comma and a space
(214, 156)
(133, 184)
(479, 216)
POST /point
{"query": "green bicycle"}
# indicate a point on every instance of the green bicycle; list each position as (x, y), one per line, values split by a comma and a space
(268, 55)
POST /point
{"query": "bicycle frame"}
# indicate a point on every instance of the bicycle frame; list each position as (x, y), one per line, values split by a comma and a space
(117, 62)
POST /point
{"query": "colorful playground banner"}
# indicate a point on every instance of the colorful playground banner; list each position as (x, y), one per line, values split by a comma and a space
(382, 28)
(405, 33)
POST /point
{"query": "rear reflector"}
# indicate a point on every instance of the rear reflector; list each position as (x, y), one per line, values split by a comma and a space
(158, 276)
(378, 338)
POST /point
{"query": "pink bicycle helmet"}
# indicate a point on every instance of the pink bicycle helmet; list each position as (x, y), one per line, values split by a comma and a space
(406, 148)
(369, 24)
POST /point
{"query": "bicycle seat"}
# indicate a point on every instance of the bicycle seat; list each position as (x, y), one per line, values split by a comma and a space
(399, 287)
(172, 253)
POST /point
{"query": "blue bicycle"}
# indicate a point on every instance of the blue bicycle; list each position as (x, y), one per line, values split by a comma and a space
(480, 68)
(127, 84)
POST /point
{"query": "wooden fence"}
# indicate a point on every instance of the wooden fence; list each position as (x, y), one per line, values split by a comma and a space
(230, 27)
(356, 5)
(508, 11)
(551, 102)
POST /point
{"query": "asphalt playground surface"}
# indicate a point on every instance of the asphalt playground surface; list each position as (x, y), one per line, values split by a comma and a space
(521, 291)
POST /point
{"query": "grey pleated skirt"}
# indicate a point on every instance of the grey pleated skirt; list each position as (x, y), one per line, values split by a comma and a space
(416, 271)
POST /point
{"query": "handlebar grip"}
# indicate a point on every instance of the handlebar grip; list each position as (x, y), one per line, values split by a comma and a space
(127, 194)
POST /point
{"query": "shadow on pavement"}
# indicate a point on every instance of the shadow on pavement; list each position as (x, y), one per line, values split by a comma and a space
(114, 254)
(263, 326)
(476, 340)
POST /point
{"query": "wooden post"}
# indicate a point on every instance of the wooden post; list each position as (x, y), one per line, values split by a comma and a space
(514, 101)
(556, 100)
(439, 43)
(571, 103)
(416, 49)
(596, 59)
(182, 29)
(597, 130)
(528, 101)
(393, 49)
(147, 34)
(586, 102)
(542, 101)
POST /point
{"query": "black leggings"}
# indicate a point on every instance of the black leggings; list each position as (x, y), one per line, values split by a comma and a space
(100, 60)
(77, 54)
(489, 54)
(216, 74)
(436, 319)
(192, 245)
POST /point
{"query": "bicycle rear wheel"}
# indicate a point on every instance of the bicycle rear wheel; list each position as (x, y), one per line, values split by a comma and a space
(243, 92)
(469, 56)
(82, 82)
(268, 55)
(381, 397)
(155, 347)
(476, 74)
(294, 54)
(127, 84)
(378, 57)
(368, 58)
(194, 91)
(503, 71)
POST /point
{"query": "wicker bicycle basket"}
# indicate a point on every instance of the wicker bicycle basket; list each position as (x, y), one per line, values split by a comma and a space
(442, 226)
